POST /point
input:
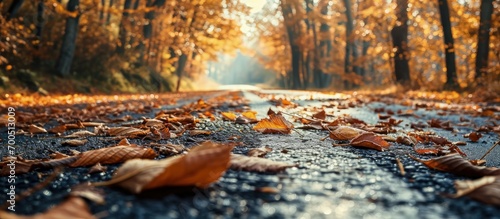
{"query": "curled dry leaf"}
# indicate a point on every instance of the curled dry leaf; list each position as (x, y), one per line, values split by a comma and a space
(259, 152)
(129, 132)
(33, 129)
(110, 155)
(74, 142)
(275, 124)
(73, 207)
(343, 133)
(80, 134)
(58, 129)
(456, 164)
(203, 165)
(485, 189)
(257, 164)
(370, 140)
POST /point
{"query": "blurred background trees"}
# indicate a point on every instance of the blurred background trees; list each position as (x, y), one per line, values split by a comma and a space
(159, 45)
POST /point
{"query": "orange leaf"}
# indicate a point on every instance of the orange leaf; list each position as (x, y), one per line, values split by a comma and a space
(456, 164)
(129, 132)
(343, 133)
(202, 166)
(257, 164)
(275, 124)
(228, 115)
(199, 132)
(370, 140)
(73, 207)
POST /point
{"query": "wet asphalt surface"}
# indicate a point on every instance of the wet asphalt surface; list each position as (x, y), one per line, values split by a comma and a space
(329, 182)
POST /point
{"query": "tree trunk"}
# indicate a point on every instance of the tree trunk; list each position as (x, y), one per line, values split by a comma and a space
(399, 34)
(325, 46)
(108, 16)
(14, 8)
(483, 39)
(38, 30)
(63, 65)
(349, 42)
(295, 49)
(451, 70)
(181, 64)
(101, 13)
(123, 31)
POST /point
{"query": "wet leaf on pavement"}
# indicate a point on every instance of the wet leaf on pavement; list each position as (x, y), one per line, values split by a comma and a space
(456, 164)
(370, 140)
(257, 164)
(203, 165)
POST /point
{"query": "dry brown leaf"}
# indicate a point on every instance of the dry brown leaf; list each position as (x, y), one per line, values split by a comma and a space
(153, 122)
(267, 189)
(199, 132)
(456, 164)
(129, 132)
(485, 189)
(80, 134)
(259, 152)
(33, 129)
(92, 124)
(343, 133)
(257, 164)
(473, 136)
(20, 166)
(202, 166)
(111, 155)
(320, 115)
(58, 129)
(88, 192)
(74, 142)
(275, 124)
(370, 140)
(229, 116)
(97, 168)
(73, 207)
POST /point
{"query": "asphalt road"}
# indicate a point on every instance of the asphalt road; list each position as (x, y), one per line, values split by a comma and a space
(329, 182)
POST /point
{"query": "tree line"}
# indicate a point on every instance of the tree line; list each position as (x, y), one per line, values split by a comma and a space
(79, 38)
(349, 43)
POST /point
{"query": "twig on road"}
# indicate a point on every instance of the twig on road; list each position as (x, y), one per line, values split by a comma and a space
(489, 150)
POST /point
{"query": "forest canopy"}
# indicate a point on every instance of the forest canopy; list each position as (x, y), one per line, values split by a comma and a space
(150, 45)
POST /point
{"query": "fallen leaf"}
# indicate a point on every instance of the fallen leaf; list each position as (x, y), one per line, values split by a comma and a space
(320, 115)
(473, 136)
(229, 116)
(58, 129)
(74, 142)
(259, 152)
(456, 164)
(275, 124)
(267, 189)
(203, 165)
(109, 155)
(33, 129)
(88, 192)
(129, 132)
(370, 140)
(343, 133)
(485, 189)
(80, 134)
(199, 132)
(169, 149)
(257, 164)
(251, 115)
(97, 168)
(72, 207)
